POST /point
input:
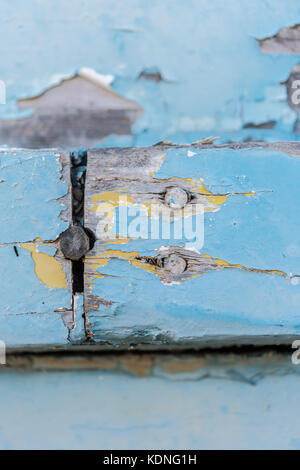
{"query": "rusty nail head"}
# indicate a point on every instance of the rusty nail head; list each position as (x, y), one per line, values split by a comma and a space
(74, 242)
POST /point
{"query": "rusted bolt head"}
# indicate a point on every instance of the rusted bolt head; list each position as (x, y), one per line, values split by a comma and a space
(175, 264)
(74, 242)
(176, 197)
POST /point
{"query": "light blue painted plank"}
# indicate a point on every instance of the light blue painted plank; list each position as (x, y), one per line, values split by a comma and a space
(255, 227)
(29, 309)
(35, 283)
(199, 49)
(30, 191)
(259, 230)
(106, 410)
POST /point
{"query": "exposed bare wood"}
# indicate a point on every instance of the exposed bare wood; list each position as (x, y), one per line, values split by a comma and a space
(143, 177)
(75, 113)
(285, 41)
(194, 366)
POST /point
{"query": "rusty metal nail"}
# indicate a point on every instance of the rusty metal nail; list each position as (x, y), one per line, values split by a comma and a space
(176, 197)
(175, 264)
(74, 243)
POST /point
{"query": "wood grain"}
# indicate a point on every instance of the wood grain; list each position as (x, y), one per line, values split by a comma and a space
(242, 286)
(36, 279)
(75, 113)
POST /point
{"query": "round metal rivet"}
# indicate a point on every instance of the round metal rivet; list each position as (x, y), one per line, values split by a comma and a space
(176, 198)
(175, 264)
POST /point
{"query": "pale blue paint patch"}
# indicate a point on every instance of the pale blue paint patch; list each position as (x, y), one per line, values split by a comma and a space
(148, 413)
(27, 305)
(255, 231)
(214, 77)
(30, 208)
(29, 196)
(225, 303)
(33, 329)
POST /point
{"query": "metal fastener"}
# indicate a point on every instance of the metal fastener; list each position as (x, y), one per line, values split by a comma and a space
(175, 264)
(176, 197)
(74, 242)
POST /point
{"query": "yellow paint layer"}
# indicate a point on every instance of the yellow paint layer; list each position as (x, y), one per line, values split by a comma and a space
(210, 200)
(106, 203)
(225, 264)
(102, 259)
(48, 269)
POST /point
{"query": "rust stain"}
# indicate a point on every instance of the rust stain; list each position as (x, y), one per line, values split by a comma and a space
(75, 362)
(140, 366)
(181, 366)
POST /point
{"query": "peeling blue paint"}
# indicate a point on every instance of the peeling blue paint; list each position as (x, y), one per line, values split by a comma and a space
(213, 81)
(30, 195)
(30, 208)
(259, 230)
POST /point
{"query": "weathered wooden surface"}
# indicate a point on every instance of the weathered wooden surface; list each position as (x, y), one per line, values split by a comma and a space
(219, 82)
(285, 41)
(146, 402)
(79, 111)
(35, 287)
(243, 282)
(182, 95)
(241, 287)
(227, 364)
